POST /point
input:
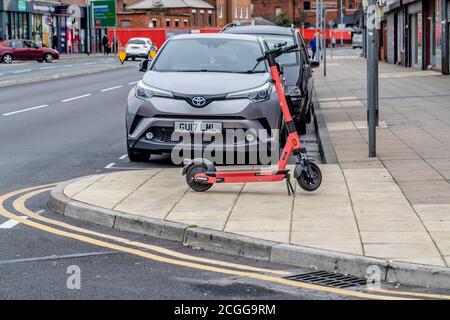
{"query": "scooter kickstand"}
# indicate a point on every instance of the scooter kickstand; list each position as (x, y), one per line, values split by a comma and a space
(289, 186)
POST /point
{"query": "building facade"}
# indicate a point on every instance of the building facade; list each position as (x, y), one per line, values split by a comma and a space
(303, 12)
(58, 25)
(416, 34)
(181, 13)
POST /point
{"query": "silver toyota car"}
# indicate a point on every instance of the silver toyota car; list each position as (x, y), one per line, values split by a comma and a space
(206, 83)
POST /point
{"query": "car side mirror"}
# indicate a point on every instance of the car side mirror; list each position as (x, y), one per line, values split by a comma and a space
(314, 64)
(143, 65)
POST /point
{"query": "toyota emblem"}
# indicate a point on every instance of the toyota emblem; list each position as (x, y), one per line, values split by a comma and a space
(198, 101)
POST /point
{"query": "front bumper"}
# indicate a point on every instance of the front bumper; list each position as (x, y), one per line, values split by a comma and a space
(239, 117)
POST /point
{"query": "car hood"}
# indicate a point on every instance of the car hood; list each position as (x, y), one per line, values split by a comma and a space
(206, 83)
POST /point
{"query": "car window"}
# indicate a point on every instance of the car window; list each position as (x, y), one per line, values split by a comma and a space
(210, 54)
(272, 40)
(29, 44)
(16, 44)
(136, 41)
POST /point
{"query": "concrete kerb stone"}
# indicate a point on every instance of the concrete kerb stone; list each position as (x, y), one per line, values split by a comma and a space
(222, 242)
(326, 148)
(229, 243)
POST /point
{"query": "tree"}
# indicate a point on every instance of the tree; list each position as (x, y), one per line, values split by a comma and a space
(283, 20)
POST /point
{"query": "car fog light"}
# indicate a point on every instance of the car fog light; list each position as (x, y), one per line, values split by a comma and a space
(249, 137)
(149, 135)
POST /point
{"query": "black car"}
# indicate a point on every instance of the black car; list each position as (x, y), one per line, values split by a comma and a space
(296, 66)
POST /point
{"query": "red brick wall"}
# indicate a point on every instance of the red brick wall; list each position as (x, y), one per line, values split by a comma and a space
(267, 8)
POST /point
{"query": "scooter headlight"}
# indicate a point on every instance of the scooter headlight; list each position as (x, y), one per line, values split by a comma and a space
(258, 94)
(145, 92)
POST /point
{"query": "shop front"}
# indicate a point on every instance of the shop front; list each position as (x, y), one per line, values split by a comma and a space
(72, 28)
(15, 19)
(43, 24)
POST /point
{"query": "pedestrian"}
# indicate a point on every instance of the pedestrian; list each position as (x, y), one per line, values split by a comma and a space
(313, 47)
(105, 44)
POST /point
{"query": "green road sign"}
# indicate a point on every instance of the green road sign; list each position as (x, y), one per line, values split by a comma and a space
(104, 13)
(21, 5)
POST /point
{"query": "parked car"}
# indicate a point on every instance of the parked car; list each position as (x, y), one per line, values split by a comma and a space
(207, 82)
(20, 49)
(357, 40)
(138, 48)
(297, 67)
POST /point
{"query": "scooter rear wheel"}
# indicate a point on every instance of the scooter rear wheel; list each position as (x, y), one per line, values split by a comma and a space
(190, 175)
(313, 182)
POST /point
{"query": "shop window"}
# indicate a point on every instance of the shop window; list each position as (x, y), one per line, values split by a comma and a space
(193, 18)
(306, 5)
(167, 22)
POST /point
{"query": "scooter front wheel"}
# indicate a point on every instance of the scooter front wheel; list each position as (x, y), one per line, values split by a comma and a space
(311, 181)
(192, 183)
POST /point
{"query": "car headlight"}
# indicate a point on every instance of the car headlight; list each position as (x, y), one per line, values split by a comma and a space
(258, 94)
(145, 92)
(294, 91)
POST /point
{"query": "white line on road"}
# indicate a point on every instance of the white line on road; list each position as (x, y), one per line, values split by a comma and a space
(77, 97)
(46, 68)
(22, 71)
(133, 82)
(24, 110)
(109, 166)
(68, 65)
(112, 88)
(94, 62)
(10, 223)
(123, 157)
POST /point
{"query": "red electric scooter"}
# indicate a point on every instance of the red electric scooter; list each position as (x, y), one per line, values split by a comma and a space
(201, 173)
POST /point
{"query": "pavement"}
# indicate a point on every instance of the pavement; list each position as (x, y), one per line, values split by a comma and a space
(22, 72)
(395, 207)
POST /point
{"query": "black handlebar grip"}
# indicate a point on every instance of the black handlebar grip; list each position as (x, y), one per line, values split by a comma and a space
(293, 47)
(261, 59)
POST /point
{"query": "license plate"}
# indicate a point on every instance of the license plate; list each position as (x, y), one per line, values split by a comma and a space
(134, 47)
(198, 126)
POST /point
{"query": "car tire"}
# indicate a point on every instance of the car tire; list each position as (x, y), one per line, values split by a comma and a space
(134, 58)
(7, 58)
(48, 57)
(40, 60)
(137, 156)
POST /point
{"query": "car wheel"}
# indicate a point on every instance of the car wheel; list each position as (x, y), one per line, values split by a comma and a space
(48, 57)
(7, 58)
(134, 58)
(40, 60)
(137, 156)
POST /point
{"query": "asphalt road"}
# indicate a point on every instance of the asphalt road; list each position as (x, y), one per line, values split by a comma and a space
(58, 130)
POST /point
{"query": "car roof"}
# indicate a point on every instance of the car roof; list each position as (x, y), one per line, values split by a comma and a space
(139, 38)
(215, 36)
(260, 29)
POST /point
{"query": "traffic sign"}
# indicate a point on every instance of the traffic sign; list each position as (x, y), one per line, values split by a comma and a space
(104, 13)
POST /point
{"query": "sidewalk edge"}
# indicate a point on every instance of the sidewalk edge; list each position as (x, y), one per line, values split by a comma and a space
(326, 147)
(227, 243)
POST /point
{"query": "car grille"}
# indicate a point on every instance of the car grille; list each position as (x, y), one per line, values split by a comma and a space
(164, 134)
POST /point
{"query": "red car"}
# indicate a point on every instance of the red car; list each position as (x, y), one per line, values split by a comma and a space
(19, 49)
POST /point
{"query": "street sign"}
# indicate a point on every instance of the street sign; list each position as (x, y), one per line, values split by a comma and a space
(104, 13)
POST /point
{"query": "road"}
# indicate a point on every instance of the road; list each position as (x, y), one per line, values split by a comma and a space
(58, 130)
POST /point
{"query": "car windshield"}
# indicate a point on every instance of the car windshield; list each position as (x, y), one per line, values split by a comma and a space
(136, 41)
(210, 55)
(272, 40)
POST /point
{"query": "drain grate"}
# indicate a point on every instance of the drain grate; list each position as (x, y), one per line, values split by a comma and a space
(328, 279)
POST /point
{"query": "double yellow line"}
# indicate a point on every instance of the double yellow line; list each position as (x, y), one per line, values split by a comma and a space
(173, 257)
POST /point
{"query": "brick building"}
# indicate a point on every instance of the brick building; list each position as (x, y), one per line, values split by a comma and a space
(180, 13)
(303, 11)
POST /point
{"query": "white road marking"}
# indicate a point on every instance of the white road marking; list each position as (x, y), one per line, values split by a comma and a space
(133, 82)
(123, 157)
(112, 88)
(45, 68)
(24, 110)
(10, 223)
(94, 62)
(22, 71)
(109, 166)
(77, 97)
(68, 65)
